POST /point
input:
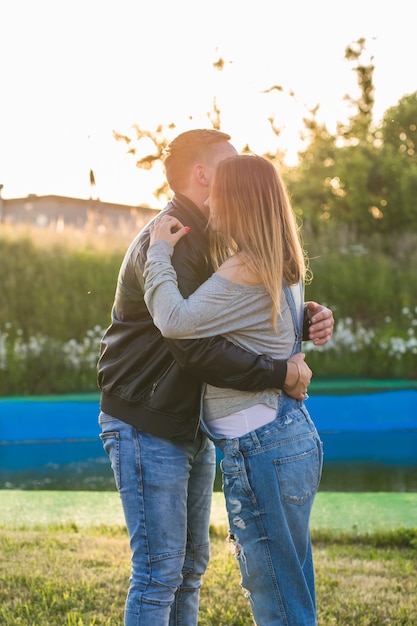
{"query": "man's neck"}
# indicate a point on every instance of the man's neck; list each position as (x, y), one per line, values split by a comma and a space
(196, 202)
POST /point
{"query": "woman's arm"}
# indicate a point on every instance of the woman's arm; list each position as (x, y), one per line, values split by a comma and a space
(216, 307)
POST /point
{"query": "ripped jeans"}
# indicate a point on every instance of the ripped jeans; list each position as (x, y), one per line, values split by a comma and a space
(270, 478)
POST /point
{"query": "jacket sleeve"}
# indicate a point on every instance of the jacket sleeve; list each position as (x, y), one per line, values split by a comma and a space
(219, 362)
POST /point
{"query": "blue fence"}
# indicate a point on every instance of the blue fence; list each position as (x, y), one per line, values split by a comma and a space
(369, 433)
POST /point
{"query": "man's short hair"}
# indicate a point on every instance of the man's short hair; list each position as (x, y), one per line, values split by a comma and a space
(186, 150)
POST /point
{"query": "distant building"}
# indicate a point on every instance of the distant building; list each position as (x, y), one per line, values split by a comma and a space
(60, 212)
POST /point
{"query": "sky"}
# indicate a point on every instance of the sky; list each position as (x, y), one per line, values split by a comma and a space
(72, 72)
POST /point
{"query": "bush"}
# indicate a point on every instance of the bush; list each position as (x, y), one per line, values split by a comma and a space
(57, 291)
(383, 352)
(57, 296)
(43, 365)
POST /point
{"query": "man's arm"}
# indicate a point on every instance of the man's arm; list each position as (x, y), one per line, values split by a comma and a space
(219, 362)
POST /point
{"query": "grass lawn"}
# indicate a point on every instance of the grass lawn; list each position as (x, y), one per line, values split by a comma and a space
(65, 561)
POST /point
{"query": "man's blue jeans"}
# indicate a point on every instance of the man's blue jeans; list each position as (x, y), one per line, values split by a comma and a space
(270, 478)
(166, 490)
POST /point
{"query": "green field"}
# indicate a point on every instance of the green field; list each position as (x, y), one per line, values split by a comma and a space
(335, 511)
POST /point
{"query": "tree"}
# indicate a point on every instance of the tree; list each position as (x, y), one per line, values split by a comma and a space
(312, 183)
(365, 177)
(157, 139)
(360, 181)
(398, 165)
(399, 127)
(359, 130)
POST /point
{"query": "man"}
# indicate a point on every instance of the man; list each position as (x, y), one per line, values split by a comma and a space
(150, 401)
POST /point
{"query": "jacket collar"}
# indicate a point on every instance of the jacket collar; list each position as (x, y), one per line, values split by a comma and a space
(191, 210)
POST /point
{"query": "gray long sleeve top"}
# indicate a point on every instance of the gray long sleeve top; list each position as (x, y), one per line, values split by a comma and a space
(242, 313)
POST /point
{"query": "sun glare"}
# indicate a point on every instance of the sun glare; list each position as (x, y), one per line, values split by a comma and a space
(92, 68)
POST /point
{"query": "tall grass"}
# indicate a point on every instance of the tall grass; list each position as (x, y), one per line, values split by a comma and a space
(56, 288)
(366, 285)
(57, 291)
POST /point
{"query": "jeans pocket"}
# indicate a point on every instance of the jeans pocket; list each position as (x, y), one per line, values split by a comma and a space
(234, 476)
(299, 475)
(111, 445)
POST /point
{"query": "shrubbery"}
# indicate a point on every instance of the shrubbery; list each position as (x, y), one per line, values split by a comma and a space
(56, 300)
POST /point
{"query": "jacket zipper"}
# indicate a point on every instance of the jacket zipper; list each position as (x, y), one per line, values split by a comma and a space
(158, 380)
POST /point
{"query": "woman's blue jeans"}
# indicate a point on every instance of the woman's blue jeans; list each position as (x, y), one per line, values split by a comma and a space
(166, 490)
(270, 477)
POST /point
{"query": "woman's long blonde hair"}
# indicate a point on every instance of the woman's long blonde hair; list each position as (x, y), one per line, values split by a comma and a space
(253, 217)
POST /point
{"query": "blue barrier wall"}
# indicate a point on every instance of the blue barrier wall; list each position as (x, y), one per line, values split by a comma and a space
(44, 438)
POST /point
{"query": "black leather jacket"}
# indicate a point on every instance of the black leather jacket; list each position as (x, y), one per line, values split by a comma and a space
(154, 383)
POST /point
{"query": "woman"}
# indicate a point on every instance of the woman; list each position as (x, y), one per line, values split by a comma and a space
(272, 455)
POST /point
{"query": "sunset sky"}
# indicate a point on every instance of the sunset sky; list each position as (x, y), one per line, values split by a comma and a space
(72, 72)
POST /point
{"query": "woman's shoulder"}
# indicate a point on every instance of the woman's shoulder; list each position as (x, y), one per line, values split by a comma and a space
(236, 270)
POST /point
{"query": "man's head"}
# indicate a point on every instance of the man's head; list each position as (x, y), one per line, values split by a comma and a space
(191, 160)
